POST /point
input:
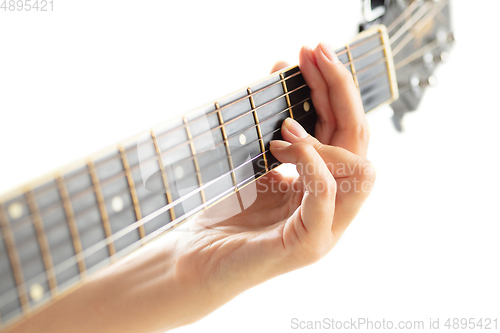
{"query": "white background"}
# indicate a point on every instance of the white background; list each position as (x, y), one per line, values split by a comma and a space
(426, 244)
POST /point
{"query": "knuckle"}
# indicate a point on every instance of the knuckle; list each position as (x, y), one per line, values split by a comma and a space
(304, 149)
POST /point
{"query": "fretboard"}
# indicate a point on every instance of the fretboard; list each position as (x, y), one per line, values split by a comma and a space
(61, 229)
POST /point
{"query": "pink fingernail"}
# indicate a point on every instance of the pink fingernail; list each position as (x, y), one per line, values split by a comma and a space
(328, 52)
(279, 144)
(295, 128)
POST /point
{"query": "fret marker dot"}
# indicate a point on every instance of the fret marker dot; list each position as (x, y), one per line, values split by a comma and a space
(307, 107)
(243, 139)
(117, 204)
(179, 172)
(36, 292)
(15, 210)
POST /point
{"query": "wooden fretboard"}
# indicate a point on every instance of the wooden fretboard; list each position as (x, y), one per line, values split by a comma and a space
(62, 228)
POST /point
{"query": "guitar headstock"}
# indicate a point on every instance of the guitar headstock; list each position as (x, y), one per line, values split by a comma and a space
(421, 36)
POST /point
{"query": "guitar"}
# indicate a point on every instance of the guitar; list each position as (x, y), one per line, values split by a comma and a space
(60, 229)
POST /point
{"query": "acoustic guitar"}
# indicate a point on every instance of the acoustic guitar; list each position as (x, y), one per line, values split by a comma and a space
(60, 229)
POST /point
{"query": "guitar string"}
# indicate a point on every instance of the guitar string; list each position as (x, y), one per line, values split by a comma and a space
(403, 60)
(361, 43)
(339, 53)
(46, 190)
(61, 267)
(191, 158)
(224, 158)
(43, 274)
(75, 196)
(220, 126)
(126, 190)
(138, 243)
(163, 229)
(402, 16)
(15, 292)
(342, 52)
(270, 118)
(75, 256)
(102, 244)
(431, 14)
(414, 56)
(182, 126)
(348, 63)
(426, 7)
(173, 204)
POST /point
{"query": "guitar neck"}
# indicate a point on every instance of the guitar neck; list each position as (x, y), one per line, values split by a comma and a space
(58, 230)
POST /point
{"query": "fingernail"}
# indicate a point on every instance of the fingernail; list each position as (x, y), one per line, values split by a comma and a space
(295, 128)
(310, 53)
(328, 52)
(279, 144)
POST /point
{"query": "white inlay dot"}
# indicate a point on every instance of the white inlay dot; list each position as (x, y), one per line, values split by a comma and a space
(36, 292)
(307, 107)
(179, 172)
(117, 204)
(243, 139)
(15, 210)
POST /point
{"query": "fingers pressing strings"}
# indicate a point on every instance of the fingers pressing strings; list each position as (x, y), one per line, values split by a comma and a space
(337, 100)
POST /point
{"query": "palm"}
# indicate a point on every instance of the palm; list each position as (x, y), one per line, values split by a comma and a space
(247, 239)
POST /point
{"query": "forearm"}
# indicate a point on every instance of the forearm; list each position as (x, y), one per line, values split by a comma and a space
(138, 294)
(167, 285)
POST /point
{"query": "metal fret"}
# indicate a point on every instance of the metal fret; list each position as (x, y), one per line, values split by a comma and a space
(351, 61)
(285, 89)
(133, 191)
(391, 71)
(70, 217)
(226, 143)
(14, 260)
(259, 132)
(42, 241)
(102, 208)
(195, 158)
(163, 175)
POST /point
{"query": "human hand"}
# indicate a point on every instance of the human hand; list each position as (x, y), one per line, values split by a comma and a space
(287, 229)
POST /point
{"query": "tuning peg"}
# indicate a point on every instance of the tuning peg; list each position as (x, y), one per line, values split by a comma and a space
(443, 57)
(428, 60)
(445, 37)
(415, 84)
(431, 81)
